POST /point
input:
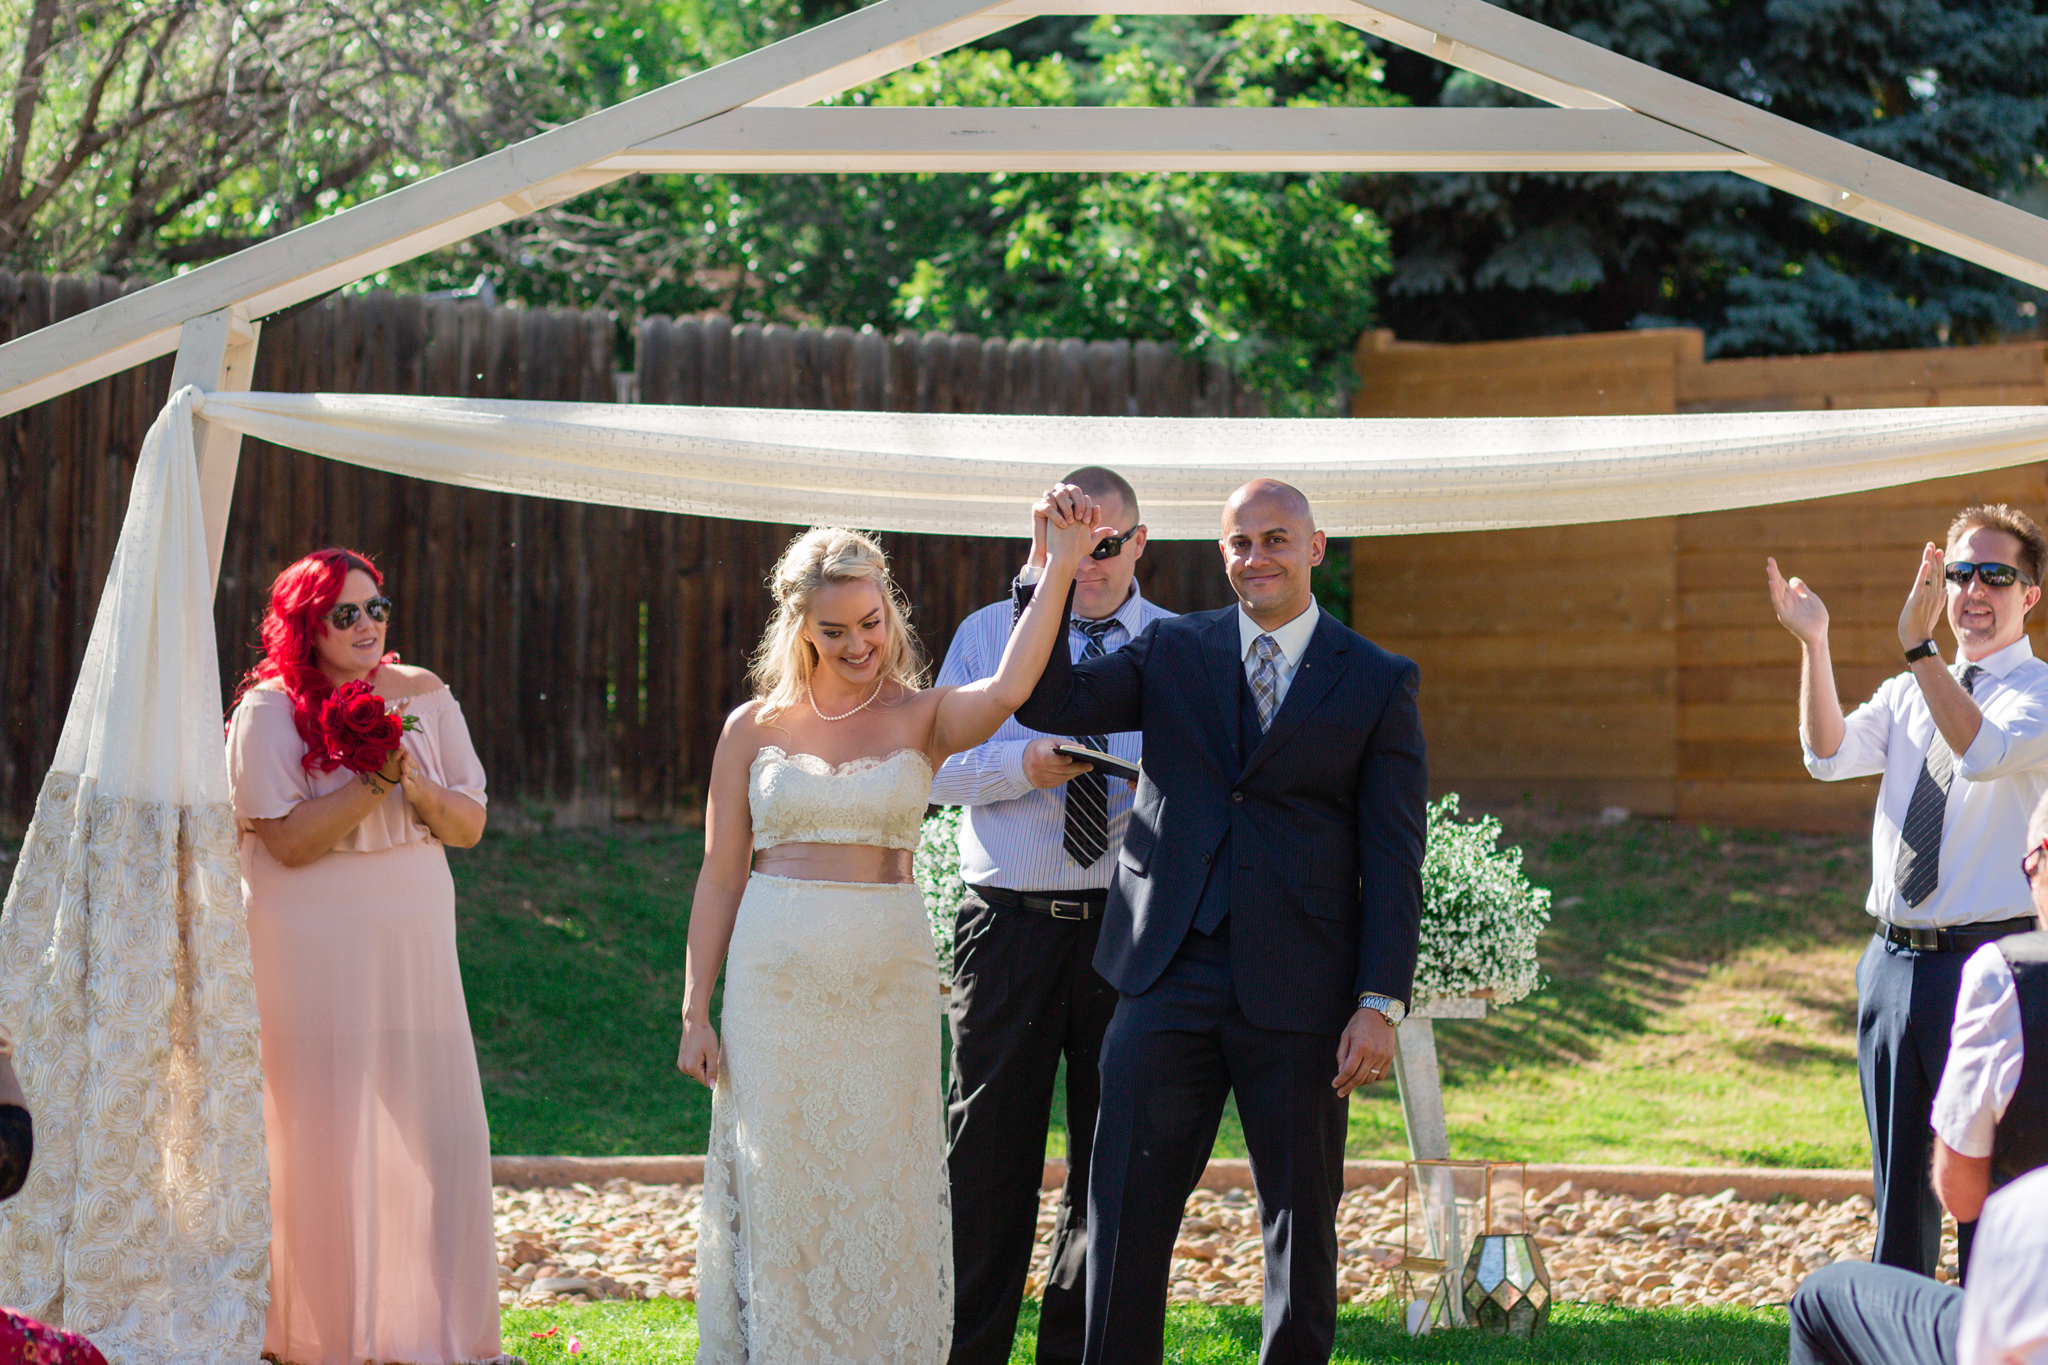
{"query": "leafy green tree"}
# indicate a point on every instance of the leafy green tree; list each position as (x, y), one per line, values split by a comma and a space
(1958, 88)
(145, 135)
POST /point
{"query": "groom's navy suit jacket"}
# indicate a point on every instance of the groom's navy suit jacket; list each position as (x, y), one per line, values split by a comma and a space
(1318, 826)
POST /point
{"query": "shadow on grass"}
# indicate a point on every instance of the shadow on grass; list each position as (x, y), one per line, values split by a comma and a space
(1641, 911)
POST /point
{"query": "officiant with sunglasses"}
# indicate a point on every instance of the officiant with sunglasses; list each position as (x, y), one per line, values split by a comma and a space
(1036, 850)
(1962, 748)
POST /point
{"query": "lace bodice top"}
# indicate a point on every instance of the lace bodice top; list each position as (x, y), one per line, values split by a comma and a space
(802, 799)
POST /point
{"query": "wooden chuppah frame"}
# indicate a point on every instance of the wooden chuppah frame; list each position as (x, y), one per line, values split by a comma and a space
(751, 114)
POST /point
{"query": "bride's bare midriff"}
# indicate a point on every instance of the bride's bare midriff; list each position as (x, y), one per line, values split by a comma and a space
(835, 863)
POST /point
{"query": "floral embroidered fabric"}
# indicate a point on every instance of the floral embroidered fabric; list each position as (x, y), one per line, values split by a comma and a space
(826, 1236)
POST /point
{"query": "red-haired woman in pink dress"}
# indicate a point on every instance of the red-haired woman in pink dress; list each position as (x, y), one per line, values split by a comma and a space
(380, 1185)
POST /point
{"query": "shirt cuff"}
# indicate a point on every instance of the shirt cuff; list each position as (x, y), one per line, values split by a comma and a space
(1827, 768)
(1985, 753)
(1030, 574)
(1013, 766)
(1968, 1135)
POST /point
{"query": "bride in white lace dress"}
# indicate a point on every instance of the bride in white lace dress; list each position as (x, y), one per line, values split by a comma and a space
(825, 1236)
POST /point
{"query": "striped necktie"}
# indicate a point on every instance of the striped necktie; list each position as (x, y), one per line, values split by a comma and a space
(1086, 834)
(1265, 679)
(1918, 870)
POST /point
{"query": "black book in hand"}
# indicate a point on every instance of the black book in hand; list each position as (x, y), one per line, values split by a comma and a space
(1108, 764)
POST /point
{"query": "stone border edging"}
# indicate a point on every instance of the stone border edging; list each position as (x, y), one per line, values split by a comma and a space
(1749, 1183)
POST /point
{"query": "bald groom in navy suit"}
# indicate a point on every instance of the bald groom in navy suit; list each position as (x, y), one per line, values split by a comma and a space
(1262, 921)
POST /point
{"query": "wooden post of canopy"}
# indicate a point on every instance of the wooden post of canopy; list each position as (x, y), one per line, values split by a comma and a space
(216, 354)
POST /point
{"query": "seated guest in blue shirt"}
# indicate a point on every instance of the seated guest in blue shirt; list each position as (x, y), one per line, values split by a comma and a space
(1036, 850)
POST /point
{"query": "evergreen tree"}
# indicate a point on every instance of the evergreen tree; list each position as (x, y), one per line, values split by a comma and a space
(1958, 88)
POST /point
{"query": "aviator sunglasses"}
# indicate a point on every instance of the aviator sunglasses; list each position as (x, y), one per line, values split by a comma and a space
(1990, 575)
(344, 616)
(1109, 547)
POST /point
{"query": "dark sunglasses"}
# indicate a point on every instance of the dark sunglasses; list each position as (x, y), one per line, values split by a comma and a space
(344, 616)
(2031, 864)
(1109, 547)
(1990, 575)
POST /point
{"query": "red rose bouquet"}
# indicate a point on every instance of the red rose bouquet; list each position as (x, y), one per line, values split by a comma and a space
(361, 732)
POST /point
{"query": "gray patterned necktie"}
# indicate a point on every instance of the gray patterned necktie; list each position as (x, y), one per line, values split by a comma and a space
(1265, 679)
(1086, 832)
(1918, 870)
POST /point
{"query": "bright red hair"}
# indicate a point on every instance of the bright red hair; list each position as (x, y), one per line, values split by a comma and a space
(304, 593)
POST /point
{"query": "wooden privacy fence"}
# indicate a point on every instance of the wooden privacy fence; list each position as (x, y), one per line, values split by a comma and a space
(596, 650)
(1637, 663)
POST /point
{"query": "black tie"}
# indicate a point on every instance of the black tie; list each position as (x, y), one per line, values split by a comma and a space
(1919, 867)
(1087, 829)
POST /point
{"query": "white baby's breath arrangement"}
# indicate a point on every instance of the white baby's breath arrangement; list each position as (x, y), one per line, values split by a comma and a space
(936, 865)
(1480, 913)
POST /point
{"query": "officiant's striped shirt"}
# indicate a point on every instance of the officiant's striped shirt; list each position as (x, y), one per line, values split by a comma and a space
(1011, 836)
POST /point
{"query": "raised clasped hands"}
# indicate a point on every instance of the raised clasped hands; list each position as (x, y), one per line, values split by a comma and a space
(1066, 519)
(1926, 600)
(1799, 607)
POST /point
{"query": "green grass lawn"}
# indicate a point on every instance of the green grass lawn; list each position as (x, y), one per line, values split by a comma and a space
(1700, 1010)
(666, 1331)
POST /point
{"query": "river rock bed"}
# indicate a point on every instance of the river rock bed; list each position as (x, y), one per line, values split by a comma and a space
(629, 1241)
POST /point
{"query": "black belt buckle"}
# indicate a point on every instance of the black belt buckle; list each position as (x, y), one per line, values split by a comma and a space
(1067, 910)
(1924, 940)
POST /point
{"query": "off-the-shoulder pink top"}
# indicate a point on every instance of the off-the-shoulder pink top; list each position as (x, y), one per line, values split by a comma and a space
(268, 777)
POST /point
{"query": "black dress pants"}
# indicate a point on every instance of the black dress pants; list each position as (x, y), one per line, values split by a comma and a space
(1025, 993)
(1852, 1313)
(1172, 1056)
(1905, 1006)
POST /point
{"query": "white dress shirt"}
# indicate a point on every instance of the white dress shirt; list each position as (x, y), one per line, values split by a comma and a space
(1985, 1054)
(2005, 1301)
(1012, 836)
(1293, 641)
(1998, 781)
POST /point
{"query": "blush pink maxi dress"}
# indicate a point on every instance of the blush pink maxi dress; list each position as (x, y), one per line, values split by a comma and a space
(380, 1157)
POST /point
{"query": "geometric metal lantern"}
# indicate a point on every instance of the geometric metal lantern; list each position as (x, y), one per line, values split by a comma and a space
(1467, 1249)
(1507, 1288)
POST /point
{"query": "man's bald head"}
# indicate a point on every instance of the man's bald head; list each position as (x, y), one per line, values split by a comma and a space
(1270, 544)
(1272, 497)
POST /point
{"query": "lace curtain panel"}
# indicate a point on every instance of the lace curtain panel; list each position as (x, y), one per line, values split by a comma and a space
(125, 976)
(972, 475)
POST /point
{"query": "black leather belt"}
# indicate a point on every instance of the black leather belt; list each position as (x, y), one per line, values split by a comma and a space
(1960, 938)
(1073, 905)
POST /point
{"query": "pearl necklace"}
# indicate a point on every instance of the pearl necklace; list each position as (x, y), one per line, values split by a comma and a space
(854, 712)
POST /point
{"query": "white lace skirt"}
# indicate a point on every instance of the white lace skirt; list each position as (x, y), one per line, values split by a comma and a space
(826, 1237)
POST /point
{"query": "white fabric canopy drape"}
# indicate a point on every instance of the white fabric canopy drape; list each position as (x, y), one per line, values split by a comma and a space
(972, 475)
(125, 975)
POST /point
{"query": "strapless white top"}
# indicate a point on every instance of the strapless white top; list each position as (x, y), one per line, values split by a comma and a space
(802, 799)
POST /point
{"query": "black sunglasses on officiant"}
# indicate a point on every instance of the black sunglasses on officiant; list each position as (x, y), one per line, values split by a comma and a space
(344, 616)
(1109, 547)
(1990, 575)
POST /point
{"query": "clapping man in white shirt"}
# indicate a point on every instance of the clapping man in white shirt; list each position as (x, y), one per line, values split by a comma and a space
(1964, 757)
